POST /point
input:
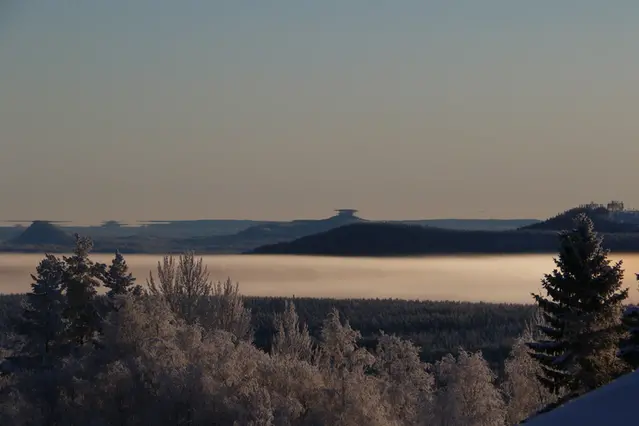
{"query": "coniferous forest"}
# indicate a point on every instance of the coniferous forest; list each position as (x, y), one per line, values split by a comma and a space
(88, 345)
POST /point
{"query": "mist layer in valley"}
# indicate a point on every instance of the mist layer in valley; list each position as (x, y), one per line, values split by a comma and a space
(508, 278)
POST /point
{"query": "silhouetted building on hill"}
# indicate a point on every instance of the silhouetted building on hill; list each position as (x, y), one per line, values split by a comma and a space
(346, 213)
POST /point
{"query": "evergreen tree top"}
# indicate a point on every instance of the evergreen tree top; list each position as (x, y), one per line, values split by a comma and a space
(584, 274)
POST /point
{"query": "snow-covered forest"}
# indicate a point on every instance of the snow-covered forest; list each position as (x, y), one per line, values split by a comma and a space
(181, 351)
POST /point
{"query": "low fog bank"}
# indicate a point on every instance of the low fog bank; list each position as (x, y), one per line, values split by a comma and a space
(508, 278)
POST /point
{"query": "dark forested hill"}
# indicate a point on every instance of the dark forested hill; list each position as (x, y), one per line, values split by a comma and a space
(600, 217)
(381, 239)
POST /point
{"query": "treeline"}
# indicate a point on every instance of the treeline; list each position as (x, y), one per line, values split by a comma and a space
(184, 351)
(437, 328)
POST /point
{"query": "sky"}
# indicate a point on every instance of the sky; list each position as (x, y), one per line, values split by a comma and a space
(405, 109)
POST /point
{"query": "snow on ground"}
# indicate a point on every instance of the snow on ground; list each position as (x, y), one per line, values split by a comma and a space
(610, 405)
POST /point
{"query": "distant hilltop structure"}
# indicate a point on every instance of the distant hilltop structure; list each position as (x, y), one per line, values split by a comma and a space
(346, 213)
(616, 211)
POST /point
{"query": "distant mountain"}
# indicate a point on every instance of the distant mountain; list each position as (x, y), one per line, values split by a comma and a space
(344, 234)
(194, 228)
(296, 228)
(41, 233)
(231, 236)
(9, 232)
(270, 233)
(600, 217)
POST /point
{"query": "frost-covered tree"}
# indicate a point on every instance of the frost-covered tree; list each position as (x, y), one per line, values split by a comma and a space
(164, 371)
(343, 362)
(183, 284)
(142, 368)
(292, 338)
(523, 392)
(224, 310)
(118, 280)
(582, 309)
(80, 283)
(629, 346)
(467, 394)
(405, 381)
(339, 350)
(41, 322)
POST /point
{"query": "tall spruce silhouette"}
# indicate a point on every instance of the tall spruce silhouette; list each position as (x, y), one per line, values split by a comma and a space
(582, 310)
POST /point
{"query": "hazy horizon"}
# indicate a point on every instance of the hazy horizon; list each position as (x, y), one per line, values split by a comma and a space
(156, 109)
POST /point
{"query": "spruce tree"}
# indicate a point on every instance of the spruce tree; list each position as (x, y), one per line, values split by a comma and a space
(41, 321)
(81, 280)
(119, 280)
(582, 311)
(629, 347)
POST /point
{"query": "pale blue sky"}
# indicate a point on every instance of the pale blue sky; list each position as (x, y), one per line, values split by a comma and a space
(164, 109)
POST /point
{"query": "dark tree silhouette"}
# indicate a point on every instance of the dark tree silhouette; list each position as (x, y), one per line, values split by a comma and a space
(41, 321)
(582, 310)
(81, 283)
(119, 280)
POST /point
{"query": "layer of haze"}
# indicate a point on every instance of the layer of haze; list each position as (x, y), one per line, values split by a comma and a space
(509, 279)
(163, 109)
